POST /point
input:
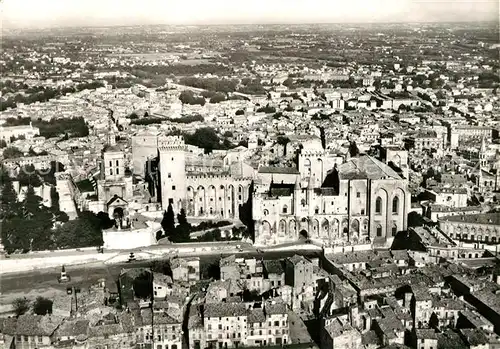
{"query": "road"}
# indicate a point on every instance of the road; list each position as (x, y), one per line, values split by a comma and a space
(88, 274)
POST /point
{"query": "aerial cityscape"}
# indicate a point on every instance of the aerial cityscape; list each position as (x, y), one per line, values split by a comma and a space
(194, 186)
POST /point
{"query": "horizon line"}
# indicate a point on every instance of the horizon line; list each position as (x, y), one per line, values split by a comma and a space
(28, 28)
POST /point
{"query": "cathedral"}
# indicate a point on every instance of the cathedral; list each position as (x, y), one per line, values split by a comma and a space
(360, 201)
(324, 198)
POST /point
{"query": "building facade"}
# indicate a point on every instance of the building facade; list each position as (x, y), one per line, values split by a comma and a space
(202, 190)
(358, 201)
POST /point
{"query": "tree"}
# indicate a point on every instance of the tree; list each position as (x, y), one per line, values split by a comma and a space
(168, 221)
(143, 285)
(183, 229)
(288, 83)
(28, 176)
(42, 306)
(159, 235)
(21, 306)
(12, 152)
(181, 217)
(8, 199)
(188, 97)
(217, 98)
(353, 149)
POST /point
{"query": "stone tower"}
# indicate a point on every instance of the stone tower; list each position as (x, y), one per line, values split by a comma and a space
(172, 167)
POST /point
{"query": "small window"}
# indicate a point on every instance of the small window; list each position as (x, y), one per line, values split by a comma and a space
(395, 205)
(111, 171)
(362, 211)
(169, 175)
(117, 163)
(378, 205)
(379, 230)
(117, 171)
(358, 194)
(173, 187)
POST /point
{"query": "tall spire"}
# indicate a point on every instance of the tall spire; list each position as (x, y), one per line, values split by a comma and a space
(482, 155)
(111, 141)
(483, 146)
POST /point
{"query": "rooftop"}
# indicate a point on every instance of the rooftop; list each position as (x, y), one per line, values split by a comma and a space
(483, 218)
(225, 310)
(279, 170)
(366, 167)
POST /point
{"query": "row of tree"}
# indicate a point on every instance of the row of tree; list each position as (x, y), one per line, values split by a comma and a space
(69, 127)
(181, 232)
(45, 94)
(29, 225)
(41, 306)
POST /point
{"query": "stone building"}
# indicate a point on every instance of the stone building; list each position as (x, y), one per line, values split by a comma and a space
(474, 228)
(7, 133)
(359, 201)
(205, 190)
(114, 188)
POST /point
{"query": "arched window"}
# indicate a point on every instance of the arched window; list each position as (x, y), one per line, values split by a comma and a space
(266, 212)
(316, 210)
(395, 205)
(378, 205)
(285, 209)
(394, 230)
(117, 164)
(303, 202)
(379, 230)
(111, 171)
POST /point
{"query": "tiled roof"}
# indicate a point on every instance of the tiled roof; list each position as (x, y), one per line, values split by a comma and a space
(282, 170)
(256, 315)
(296, 259)
(225, 310)
(32, 325)
(474, 336)
(366, 167)
(275, 308)
(73, 328)
(484, 218)
(426, 333)
(274, 267)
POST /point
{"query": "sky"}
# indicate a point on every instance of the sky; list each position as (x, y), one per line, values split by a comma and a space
(57, 13)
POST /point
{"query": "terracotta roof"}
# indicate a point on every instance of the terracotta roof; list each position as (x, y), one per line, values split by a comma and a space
(256, 315)
(32, 325)
(225, 310)
(274, 267)
(73, 328)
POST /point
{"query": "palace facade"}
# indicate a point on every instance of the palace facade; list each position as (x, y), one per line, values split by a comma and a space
(360, 201)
